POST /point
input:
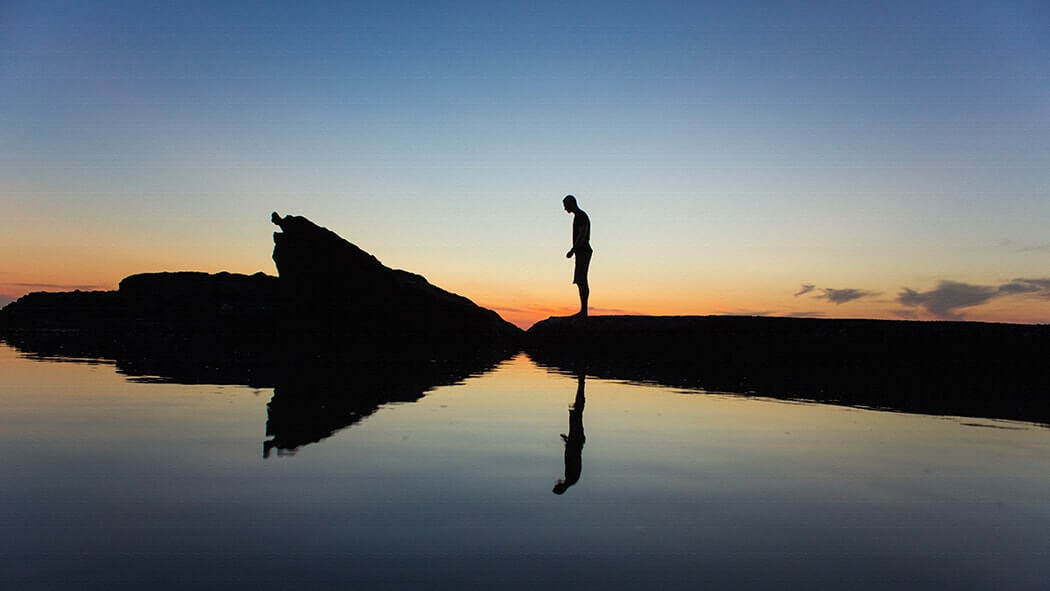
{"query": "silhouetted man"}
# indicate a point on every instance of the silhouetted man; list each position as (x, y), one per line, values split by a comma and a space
(574, 440)
(581, 248)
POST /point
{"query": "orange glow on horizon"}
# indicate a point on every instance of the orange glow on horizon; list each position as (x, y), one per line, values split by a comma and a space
(524, 310)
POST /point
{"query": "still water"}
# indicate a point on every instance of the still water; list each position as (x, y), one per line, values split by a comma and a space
(516, 478)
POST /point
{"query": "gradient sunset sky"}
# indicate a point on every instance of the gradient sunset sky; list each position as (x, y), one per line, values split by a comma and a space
(840, 159)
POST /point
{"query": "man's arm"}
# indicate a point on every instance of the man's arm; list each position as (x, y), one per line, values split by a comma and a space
(575, 243)
(575, 238)
(579, 233)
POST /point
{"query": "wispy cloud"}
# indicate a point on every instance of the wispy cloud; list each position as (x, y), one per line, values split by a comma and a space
(526, 316)
(841, 296)
(805, 288)
(733, 311)
(813, 314)
(833, 295)
(1025, 286)
(54, 286)
(555, 311)
(508, 309)
(608, 311)
(950, 297)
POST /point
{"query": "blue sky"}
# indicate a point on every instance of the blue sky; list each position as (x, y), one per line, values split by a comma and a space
(728, 153)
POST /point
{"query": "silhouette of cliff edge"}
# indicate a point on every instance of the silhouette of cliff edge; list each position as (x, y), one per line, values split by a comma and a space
(948, 368)
(332, 289)
(330, 295)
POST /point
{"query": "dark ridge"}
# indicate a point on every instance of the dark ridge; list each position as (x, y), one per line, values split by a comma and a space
(334, 290)
(170, 325)
(944, 368)
(330, 295)
(221, 302)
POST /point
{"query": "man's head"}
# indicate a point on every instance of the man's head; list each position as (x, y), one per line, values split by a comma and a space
(570, 204)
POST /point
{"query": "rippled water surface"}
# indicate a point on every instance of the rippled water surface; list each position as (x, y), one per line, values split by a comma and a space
(516, 478)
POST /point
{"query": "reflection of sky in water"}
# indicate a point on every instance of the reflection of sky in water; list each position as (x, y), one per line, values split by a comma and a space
(105, 481)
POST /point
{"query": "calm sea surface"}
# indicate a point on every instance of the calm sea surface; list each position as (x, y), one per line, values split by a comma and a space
(494, 482)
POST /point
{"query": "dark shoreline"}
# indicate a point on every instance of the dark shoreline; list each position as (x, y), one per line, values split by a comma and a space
(945, 368)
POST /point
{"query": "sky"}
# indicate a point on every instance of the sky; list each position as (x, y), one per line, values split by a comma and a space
(823, 159)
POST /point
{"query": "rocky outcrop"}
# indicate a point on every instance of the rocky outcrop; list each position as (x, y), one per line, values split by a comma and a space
(334, 290)
(159, 324)
(225, 302)
(330, 294)
(956, 368)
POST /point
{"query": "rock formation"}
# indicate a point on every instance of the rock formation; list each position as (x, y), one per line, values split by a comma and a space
(223, 303)
(337, 334)
(955, 368)
(335, 290)
(329, 295)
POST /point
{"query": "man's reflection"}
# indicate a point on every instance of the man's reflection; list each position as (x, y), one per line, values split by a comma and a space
(574, 440)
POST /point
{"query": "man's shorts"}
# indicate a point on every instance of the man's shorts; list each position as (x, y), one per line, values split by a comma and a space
(583, 262)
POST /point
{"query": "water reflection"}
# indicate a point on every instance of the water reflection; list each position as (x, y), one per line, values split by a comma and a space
(316, 391)
(322, 388)
(998, 386)
(574, 440)
(451, 491)
(158, 357)
(314, 398)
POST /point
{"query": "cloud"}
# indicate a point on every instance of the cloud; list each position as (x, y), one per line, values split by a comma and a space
(945, 300)
(54, 286)
(949, 297)
(742, 311)
(835, 296)
(509, 309)
(1043, 283)
(841, 296)
(526, 316)
(543, 311)
(806, 288)
(1034, 287)
(607, 311)
(806, 315)
(1015, 287)
(5, 300)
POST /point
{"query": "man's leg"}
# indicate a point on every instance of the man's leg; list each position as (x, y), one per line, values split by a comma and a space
(583, 264)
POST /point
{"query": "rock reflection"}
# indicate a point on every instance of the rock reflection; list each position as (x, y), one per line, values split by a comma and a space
(317, 391)
(315, 398)
(165, 357)
(941, 368)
